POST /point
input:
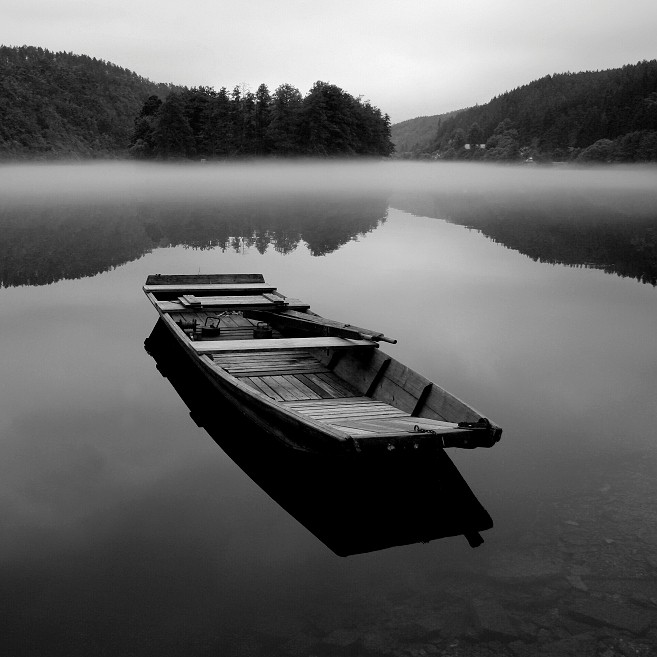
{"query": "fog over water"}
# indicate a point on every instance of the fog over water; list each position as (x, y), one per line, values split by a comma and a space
(529, 292)
(109, 182)
(66, 220)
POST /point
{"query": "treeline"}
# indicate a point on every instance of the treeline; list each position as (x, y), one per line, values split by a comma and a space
(202, 123)
(608, 116)
(57, 104)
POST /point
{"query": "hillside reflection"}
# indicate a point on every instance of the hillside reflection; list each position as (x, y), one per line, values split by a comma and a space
(41, 245)
(351, 506)
(614, 232)
(68, 230)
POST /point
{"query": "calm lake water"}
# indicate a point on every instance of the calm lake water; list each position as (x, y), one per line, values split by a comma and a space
(528, 293)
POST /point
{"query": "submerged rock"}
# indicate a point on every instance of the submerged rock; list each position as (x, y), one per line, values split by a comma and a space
(492, 619)
(582, 645)
(377, 641)
(521, 567)
(299, 645)
(577, 582)
(342, 638)
(624, 617)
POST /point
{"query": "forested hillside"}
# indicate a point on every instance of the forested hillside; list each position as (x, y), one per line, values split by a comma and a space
(57, 104)
(605, 116)
(203, 123)
(414, 135)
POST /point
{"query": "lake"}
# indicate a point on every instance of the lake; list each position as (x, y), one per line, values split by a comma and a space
(529, 293)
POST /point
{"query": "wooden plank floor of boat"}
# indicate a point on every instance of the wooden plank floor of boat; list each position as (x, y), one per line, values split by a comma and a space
(364, 416)
(285, 375)
(296, 378)
(301, 383)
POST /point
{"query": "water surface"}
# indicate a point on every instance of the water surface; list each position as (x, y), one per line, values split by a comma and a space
(529, 294)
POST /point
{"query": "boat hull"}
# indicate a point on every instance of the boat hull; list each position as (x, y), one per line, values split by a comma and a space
(315, 385)
(400, 501)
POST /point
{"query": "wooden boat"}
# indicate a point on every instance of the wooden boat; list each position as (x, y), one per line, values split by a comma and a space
(404, 496)
(315, 384)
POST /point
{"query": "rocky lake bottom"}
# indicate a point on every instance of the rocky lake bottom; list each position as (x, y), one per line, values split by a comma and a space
(580, 581)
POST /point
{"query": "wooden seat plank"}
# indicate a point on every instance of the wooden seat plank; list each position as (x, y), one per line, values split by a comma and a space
(260, 363)
(279, 354)
(251, 371)
(210, 346)
(217, 302)
(191, 288)
(276, 298)
(267, 357)
(254, 302)
(190, 300)
(234, 300)
(195, 279)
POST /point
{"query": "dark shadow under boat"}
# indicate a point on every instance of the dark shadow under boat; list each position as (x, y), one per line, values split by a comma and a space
(353, 505)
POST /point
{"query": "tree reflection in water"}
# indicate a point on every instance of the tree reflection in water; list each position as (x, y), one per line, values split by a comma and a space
(611, 228)
(41, 245)
(615, 232)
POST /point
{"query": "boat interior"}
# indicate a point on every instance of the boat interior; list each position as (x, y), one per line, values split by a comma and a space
(329, 372)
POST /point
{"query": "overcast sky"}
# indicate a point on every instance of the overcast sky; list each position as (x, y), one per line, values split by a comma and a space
(408, 57)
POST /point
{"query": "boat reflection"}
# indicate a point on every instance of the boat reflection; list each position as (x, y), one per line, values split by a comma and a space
(352, 506)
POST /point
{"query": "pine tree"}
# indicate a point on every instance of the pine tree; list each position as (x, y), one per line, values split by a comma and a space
(262, 119)
(172, 135)
(142, 140)
(217, 130)
(282, 132)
